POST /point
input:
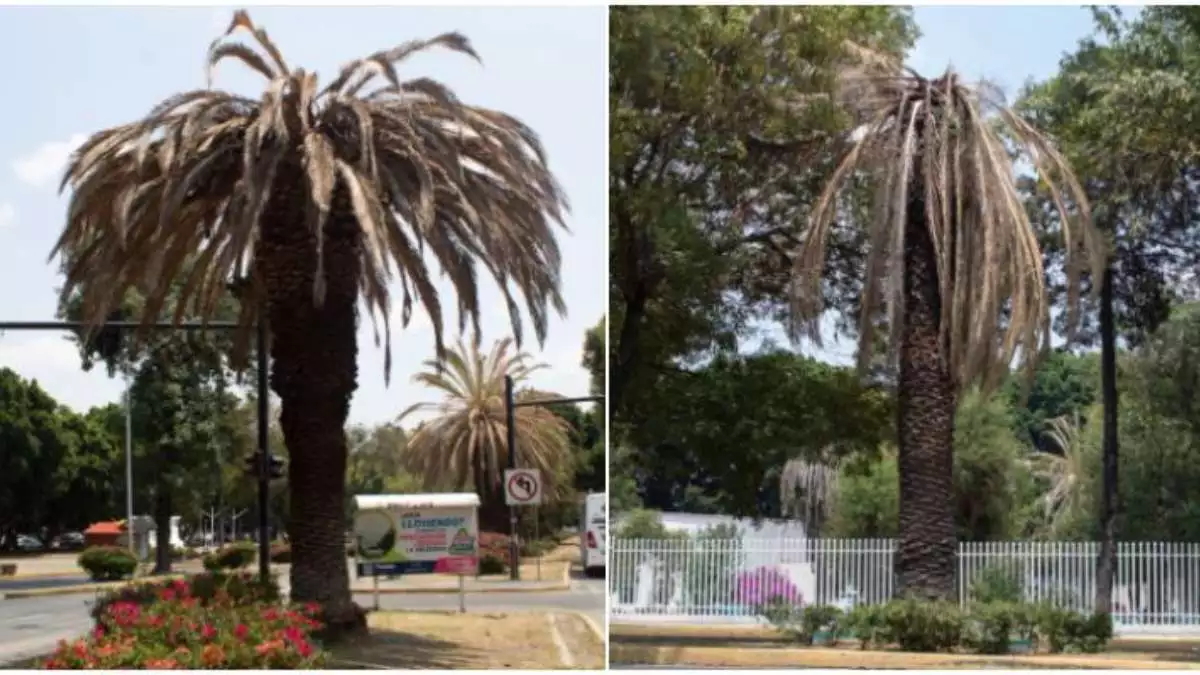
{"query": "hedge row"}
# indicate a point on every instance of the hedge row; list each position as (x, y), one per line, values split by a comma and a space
(934, 626)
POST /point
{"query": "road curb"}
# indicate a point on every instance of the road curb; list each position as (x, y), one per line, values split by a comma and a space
(591, 624)
(83, 588)
(821, 658)
(563, 584)
(43, 575)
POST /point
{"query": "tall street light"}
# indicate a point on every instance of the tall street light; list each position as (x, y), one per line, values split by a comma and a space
(129, 464)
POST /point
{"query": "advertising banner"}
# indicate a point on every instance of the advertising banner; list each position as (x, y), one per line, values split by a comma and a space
(408, 537)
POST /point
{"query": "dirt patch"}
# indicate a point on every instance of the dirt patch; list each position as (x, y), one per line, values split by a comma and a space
(449, 640)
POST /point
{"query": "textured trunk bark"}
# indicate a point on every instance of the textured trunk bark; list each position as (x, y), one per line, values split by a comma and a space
(162, 528)
(1106, 561)
(925, 559)
(314, 372)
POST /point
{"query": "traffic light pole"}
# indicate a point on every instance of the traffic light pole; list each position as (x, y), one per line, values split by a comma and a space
(264, 455)
(264, 546)
(510, 408)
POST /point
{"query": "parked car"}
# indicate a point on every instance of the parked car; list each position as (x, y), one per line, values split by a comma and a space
(27, 542)
(67, 541)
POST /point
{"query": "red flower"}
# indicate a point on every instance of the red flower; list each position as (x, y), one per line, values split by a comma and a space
(312, 608)
(293, 634)
(166, 594)
(98, 632)
(241, 630)
(303, 648)
(270, 615)
(208, 632)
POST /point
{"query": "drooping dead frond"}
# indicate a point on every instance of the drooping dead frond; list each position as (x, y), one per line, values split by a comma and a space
(807, 492)
(429, 179)
(988, 257)
(467, 437)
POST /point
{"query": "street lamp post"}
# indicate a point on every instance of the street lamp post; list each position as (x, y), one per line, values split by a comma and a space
(129, 464)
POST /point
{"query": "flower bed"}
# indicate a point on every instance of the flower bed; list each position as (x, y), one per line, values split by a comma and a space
(195, 624)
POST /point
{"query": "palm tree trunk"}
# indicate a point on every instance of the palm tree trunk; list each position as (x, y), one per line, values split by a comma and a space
(925, 559)
(1106, 562)
(162, 527)
(314, 372)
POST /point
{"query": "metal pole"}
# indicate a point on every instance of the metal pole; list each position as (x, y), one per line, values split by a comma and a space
(514, 549)
(129, 465)
(264, 453)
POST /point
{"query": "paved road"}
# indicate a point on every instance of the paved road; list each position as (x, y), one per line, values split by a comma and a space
(18, 584)
(33, 626)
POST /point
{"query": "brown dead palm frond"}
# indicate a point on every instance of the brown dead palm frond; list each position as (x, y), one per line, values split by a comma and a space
(427, 178)
(808, 489)
(466, 441)
(987, 253)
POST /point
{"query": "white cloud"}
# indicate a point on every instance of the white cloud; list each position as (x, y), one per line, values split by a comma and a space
(8, 215)
(44, 165)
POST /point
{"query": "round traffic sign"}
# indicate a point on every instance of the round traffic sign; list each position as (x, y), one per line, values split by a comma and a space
(523, 487)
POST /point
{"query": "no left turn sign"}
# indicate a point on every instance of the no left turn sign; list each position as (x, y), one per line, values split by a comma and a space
(522, 487)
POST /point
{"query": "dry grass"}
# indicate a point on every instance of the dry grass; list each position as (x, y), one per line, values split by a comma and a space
(448, 640)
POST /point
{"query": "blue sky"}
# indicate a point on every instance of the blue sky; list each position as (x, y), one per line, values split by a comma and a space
(85, 69)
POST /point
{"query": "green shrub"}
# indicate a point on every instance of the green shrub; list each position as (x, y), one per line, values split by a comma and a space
(992, 627)
(998, 583)
(236, 589)
(868, 623)
(232, 557)
(1063, 630)
(532, 548)
(490, 563)
(922, 625)
(108, 563)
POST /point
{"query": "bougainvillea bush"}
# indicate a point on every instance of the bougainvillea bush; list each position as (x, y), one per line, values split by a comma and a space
(177, 629)
(766, 586)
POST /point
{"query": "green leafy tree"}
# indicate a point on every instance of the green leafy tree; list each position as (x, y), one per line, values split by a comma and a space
(710, 167)
(1123, 110)
(768, 408)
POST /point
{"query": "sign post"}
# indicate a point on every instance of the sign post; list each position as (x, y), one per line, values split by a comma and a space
(523, 487)
(417, 534)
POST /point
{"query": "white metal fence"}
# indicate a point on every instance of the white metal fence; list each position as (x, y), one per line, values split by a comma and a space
(1157, 585)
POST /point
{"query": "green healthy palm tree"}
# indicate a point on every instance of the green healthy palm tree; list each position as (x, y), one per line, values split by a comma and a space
(465, 444)
(315, 198)
(953, 257)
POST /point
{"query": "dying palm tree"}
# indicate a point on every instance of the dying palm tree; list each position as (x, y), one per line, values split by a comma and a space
(954, 259)
(314, 198)
(465, 444)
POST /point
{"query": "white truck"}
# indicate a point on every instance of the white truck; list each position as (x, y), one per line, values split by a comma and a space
(593, 535)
